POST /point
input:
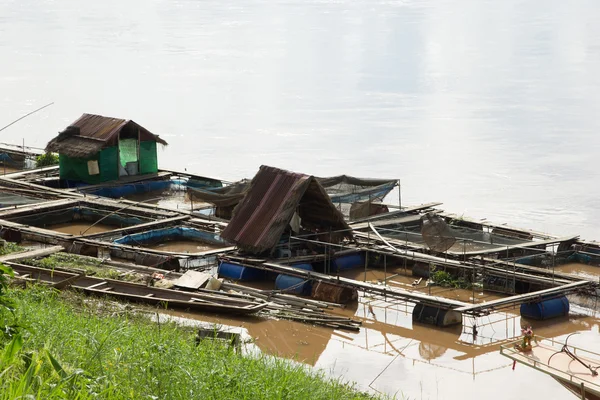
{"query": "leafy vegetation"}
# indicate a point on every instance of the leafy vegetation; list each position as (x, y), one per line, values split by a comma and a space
(9, 247)
(445, 279)
(78, 349)
(91, 266)
(6, 304)
(46, 160)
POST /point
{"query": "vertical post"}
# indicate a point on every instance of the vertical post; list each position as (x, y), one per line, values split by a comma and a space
(514, 285)
(582, 391)
(366, 263)
(385, 269)
(405, 252)
(473, 283)
(429, 277)
(553, 264)
(399, 196)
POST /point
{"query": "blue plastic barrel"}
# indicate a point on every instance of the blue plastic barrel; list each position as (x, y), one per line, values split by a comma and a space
(240, 273)
(298, 285)
(546, 309)
(283, 282)
(348, 261)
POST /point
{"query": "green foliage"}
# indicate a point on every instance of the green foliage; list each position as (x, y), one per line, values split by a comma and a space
(46, 160)
(71, 351)
(91, 266)
(445, 279)
(5, 302)
(9, 247)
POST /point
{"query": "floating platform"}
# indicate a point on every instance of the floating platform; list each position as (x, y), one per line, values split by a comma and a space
(552, 358)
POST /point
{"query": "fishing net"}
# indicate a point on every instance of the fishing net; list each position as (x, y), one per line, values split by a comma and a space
(437, 235)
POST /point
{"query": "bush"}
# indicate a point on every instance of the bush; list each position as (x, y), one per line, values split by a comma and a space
(46, 160)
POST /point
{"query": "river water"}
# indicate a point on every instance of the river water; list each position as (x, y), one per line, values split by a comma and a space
(488, 106)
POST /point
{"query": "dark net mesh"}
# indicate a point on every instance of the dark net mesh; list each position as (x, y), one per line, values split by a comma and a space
(437, 235)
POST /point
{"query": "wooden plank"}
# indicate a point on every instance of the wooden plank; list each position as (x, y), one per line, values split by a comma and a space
(364, 286)
(35, 171)
(540, 235)
(392, 221)
(525, 245)
(141, 227)
(38, 207)
(192, 280)
(42, 188)
(391, 214)
(32, 254)
(95, 285)
(124, 180)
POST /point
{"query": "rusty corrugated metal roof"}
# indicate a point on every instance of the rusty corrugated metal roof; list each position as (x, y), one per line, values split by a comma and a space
(274, 196)
(90, 133)
(98, 126)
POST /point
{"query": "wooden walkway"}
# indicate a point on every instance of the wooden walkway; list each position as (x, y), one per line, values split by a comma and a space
(31, 254)
(396, 293)
(523, 298)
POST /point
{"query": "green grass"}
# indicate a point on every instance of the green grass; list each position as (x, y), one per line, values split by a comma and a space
(75, 348)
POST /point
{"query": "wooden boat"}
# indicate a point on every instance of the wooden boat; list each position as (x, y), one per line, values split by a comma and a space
(574, 368)
(220, 303)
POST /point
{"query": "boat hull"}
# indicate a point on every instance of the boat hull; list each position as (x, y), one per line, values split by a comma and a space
(217, 302)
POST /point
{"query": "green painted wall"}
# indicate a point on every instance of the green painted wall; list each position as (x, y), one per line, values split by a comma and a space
(148, 158)
(77, 168)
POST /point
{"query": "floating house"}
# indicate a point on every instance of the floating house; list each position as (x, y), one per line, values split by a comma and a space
(280, 201)
(96, 149)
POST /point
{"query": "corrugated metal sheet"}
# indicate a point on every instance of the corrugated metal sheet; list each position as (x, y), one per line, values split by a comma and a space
(98, 126)
(262, 216)
(93, 133)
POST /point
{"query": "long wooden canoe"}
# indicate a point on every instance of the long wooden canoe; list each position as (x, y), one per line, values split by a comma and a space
(220, 303)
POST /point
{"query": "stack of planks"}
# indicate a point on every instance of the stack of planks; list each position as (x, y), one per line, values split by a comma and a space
(294, 308)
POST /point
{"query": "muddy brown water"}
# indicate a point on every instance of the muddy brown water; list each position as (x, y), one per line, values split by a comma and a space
(394, 355)
(182, 246)
(583, 270)
(399, 277)
(174, 199)
(77, 228)
(9, 170)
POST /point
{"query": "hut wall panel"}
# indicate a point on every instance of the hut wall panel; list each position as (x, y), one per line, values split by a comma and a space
(76, 169)
(148, 158)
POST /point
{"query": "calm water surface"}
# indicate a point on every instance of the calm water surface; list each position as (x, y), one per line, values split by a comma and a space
(489, 106)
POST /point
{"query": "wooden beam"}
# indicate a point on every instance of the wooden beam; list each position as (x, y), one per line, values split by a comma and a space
(31, 254)
(523, 298)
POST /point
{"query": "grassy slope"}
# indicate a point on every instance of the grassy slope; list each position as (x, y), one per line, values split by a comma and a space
(75, 350)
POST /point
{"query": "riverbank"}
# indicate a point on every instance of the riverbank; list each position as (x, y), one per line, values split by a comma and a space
(74, 347)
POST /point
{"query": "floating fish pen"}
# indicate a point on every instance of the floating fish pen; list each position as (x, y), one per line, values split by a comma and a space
(73, 217)
(14, 198)
(171, 192)
(79, 220)
(15, 158)
(468, 239)
(177, 239)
